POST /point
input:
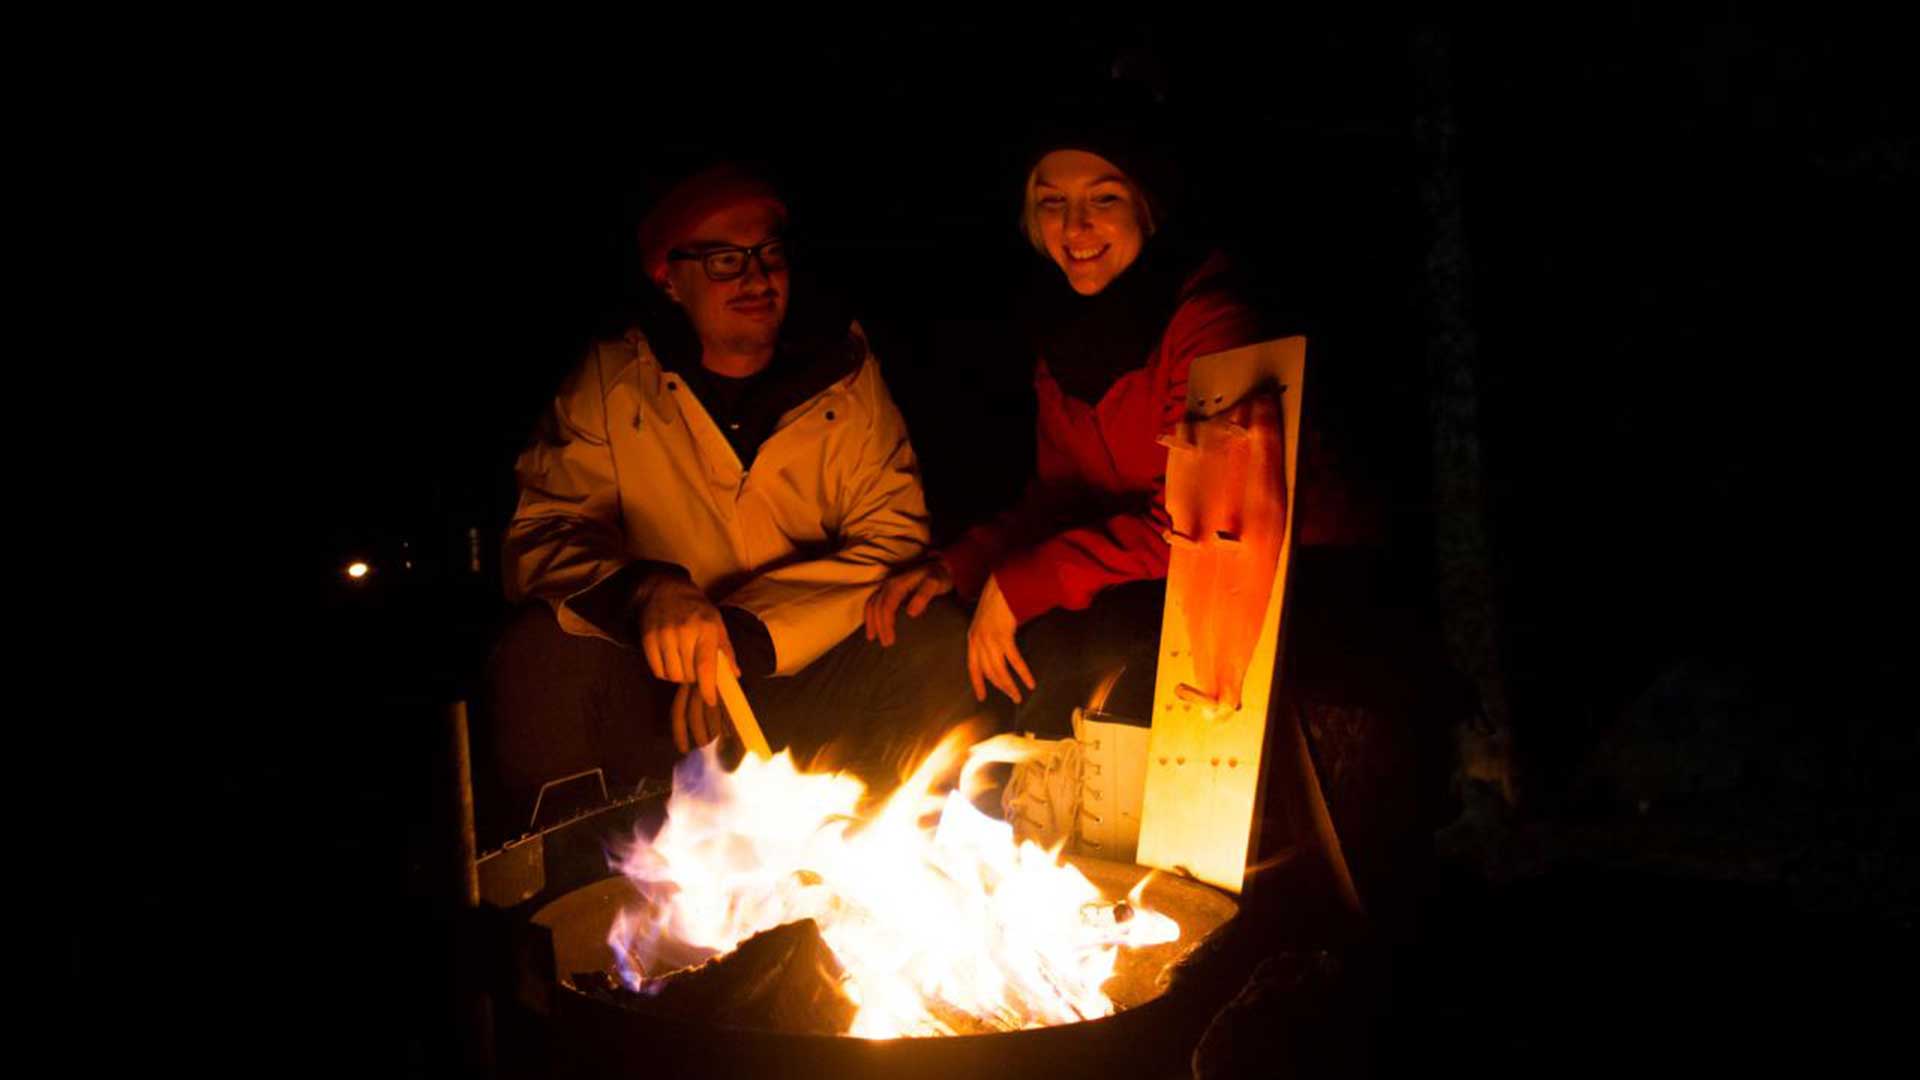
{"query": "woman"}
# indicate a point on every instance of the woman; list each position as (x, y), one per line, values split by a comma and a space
(1069, 584)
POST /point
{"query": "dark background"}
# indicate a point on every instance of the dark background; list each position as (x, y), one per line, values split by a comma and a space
(1687, 239)
(1685, 236)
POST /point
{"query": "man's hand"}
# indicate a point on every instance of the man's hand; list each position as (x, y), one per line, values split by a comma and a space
(684, 639)
(990, 647)
(695, 723)
(917, 585)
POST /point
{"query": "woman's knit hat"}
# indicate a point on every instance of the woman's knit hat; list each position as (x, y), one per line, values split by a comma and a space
(1122, 123)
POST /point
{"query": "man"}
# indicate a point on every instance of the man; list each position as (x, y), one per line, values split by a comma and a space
(721, 486)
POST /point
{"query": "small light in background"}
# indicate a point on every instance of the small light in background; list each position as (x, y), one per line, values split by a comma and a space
(358, 571)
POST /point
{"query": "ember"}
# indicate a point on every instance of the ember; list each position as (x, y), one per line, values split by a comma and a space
(939, 929)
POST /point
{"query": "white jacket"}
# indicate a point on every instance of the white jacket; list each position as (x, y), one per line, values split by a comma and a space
(628, 465)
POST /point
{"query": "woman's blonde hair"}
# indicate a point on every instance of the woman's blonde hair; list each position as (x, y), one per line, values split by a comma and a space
(1030, 207)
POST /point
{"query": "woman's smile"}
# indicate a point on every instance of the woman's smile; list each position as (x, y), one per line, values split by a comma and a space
(1088, 216)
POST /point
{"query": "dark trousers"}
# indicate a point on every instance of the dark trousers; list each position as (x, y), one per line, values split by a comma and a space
(559, 704)
(1071, 652)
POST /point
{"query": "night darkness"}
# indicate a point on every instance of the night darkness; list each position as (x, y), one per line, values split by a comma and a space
(1683, 273)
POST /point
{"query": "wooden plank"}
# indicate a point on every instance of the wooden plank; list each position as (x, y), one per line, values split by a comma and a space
(1206, 750)
(745, 724)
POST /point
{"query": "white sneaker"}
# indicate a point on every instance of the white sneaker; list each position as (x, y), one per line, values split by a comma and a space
(1042, 797)
(1084, 792)
(1113, 782)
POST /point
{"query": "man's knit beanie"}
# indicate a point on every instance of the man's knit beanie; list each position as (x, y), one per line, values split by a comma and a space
(691, 201)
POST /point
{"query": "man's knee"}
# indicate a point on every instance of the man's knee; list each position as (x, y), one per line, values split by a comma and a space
(546, 692)
(876, 703)
(523, 693)
(940, 629)
(926, 668)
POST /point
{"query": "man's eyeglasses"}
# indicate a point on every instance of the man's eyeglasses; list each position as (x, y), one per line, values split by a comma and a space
(727, 263)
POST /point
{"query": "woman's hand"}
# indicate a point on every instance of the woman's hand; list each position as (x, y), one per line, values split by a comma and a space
(917, 585)
(990, 647)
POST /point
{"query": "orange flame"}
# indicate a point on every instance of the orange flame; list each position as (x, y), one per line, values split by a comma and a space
(925, 919)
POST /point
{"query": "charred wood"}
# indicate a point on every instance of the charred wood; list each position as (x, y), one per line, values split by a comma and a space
(784, 979)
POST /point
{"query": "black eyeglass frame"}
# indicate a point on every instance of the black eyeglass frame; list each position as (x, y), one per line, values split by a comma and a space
(753, 253)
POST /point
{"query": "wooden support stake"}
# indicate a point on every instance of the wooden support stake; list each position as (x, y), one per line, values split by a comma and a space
(460, 766)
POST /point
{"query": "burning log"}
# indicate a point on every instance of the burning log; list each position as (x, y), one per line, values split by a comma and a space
(784, 979)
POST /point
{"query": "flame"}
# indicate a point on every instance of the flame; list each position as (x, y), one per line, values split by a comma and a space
(926, 919)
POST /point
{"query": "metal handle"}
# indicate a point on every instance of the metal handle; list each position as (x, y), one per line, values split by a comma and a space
(538, 799)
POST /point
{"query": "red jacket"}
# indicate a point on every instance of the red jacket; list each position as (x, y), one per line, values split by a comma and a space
(1094, 514)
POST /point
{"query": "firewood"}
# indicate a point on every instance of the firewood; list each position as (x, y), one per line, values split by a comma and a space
(784, 979)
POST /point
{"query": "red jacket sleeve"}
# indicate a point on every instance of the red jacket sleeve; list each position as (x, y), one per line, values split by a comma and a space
(1068, 568)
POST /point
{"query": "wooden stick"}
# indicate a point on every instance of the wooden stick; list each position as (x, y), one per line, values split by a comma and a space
(741, 713)
(1314, 800)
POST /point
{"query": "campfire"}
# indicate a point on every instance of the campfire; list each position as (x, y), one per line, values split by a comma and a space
(765, 911)
(923, 917)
